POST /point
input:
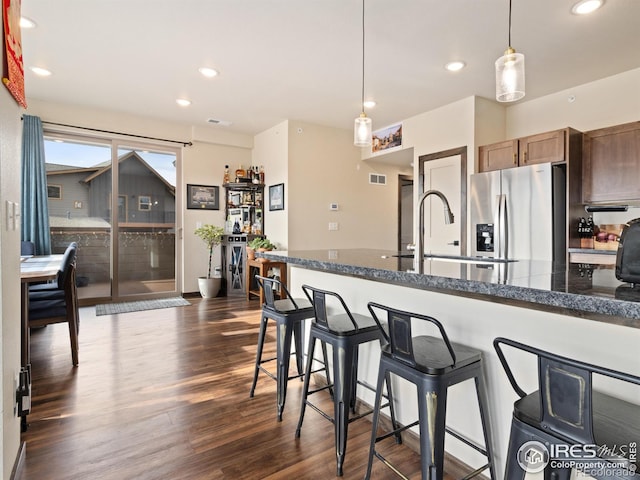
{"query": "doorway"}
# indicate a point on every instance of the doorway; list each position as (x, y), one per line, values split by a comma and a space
(445, 171)
(405, 212)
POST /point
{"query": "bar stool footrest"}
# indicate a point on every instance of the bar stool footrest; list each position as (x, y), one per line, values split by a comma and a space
(390, 466)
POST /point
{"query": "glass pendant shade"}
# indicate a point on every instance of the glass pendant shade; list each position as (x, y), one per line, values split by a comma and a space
(510, 76)
(362, 131)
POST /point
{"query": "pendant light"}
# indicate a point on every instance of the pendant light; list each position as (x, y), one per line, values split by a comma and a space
(510, 73)
(362, 125)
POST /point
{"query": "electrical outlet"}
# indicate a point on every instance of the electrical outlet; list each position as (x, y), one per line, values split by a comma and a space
(333, 226)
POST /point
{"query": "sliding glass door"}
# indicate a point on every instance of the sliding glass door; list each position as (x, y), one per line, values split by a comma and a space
(118, 201)
(146, 222)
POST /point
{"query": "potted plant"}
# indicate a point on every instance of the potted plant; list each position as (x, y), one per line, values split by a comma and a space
(252, 246)
(263, 245)
(212, 236)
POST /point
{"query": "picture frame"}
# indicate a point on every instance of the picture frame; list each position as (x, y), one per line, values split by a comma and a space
(276, 197)
(203, 197)
(387, 138)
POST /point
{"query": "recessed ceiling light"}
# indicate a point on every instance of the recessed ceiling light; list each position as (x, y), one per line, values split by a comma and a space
(455, 66)
(42, 72)
(584, 7)
(183, 102)
(208, 72)
(27, 23)
(369, 103)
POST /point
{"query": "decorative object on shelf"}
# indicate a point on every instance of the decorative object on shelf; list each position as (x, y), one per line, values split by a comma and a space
(276, 197)
(362, 124)
(202, 197)
(510, 73)
(212, 237)
(226, 178)
(240, 174)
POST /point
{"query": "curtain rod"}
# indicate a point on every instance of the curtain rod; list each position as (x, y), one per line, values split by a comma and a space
(185, 144)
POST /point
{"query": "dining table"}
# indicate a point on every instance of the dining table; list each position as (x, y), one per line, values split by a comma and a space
(36, 268)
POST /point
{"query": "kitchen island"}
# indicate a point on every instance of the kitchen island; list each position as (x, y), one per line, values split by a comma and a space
(579, 311)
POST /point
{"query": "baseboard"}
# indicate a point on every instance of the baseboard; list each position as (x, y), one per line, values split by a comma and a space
(18, 465)
(452, 465)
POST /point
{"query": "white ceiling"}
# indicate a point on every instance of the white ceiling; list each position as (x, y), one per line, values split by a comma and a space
(301, 59)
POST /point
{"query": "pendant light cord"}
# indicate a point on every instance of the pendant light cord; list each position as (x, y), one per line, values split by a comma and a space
(509, 23)
(362, 56)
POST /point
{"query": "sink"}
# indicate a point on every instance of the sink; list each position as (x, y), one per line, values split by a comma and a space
(454, 258)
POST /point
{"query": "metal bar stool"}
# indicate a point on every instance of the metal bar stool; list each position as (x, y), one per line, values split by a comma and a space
(571, 422)
(433, 364)
(344, 332)
(288, 313)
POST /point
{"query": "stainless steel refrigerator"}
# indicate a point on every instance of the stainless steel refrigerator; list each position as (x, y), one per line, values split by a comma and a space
(519, 213)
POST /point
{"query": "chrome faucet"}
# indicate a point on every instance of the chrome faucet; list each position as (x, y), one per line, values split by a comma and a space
(418, 260)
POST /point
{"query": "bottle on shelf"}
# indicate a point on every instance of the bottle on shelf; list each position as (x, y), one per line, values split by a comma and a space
(225, 177)
(261, 174)
(240, 173)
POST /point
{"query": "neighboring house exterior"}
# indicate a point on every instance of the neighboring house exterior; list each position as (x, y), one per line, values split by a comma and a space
(80, 210)
(145, 198)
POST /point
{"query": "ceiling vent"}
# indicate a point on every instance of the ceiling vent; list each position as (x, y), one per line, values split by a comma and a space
(216, 121)
(377, 179)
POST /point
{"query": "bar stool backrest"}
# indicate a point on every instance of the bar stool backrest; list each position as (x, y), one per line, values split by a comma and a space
(269, 286)
(566, 390)
(401, 332)
(318, 299)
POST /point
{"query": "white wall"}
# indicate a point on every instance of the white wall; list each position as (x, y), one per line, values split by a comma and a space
(319, 165)
(10, 179)
(271, 149)
(611, 101)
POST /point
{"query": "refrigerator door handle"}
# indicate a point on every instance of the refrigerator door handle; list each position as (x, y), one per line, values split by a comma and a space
(500, 228)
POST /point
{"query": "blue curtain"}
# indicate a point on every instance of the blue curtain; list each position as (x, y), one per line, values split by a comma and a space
(35, 211)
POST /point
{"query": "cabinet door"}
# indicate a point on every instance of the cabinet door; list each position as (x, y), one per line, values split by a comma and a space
(611, 169)
(543, 148)
(498, 156)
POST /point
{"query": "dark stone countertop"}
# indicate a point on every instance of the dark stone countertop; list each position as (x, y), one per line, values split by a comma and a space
(580, 290)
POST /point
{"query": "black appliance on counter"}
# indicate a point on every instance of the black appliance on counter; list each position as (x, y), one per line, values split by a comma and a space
(628, 255)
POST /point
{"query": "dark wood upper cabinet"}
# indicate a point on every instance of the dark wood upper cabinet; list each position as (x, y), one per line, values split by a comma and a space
(546, 147)
(611, 164)
(542, 148)
(498, 156)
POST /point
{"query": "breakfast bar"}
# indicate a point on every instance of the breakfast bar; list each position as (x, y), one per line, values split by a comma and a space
(578, 310)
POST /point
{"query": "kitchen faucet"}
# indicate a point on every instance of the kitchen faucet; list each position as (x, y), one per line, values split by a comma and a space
(418, 260)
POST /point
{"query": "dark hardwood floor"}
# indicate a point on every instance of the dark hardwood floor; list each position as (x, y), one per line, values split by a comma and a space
(164, 394)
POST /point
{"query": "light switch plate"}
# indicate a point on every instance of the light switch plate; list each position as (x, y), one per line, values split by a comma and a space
(333, 226)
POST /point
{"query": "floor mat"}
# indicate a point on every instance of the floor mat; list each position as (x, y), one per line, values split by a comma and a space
(126, 307)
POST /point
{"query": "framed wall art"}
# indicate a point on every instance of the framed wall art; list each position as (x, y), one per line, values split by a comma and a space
(203, 197)
(387, 138)
(276, 197)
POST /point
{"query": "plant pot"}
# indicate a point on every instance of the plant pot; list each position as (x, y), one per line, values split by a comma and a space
(251, 253)
(209, 287)
(261, 259)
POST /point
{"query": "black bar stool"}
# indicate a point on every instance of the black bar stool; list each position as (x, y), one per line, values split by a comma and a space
(433, 365)
(344, 332)
(600, 429)
(288, 313)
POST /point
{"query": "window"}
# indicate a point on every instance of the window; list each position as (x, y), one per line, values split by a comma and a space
(54, 192)
(144, 203)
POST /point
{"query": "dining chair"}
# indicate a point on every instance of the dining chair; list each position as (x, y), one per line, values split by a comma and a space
(59, 302)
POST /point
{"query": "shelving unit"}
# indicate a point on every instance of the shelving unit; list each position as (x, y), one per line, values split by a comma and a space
(244, 202)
